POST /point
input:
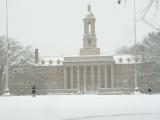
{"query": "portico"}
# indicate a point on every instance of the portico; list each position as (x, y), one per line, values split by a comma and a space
(88, 73)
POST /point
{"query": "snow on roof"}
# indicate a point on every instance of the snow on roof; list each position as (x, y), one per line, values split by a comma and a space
(58, 60)
(126, 59)
(51, 61)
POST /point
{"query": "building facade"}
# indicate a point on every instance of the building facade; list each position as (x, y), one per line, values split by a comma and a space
(88, 72)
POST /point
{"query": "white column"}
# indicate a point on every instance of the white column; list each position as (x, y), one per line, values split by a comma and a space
(65, 77)
(78, 79)
(105, 75)
(112, 77)
(71, 77)
(92, 77)
(99, 82)
(84, 76)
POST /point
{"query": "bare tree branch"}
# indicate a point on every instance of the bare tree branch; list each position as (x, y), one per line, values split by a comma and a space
(151, 4)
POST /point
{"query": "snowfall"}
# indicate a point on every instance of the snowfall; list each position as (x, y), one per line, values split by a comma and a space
(80, 107)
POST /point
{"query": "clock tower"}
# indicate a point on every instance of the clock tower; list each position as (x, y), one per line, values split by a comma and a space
(89, 37)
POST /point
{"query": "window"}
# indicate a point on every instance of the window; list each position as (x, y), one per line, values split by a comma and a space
(42, 62)
(128, 59)
(89, 27)
(120, 60)
(58, 62)
(50, 62)
(116, 68)
(137, 59)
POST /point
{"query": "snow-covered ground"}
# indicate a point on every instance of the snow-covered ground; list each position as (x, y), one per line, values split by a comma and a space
(80, 107)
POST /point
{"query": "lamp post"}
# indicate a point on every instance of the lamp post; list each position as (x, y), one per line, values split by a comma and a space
(135, 49)
(135, 44)
(7, 57)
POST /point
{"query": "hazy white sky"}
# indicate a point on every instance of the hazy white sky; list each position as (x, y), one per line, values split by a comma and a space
(55, 27)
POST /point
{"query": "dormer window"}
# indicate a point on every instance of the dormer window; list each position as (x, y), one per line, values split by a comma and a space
(42, 62)
(58, 62)
(120, 60)
(128, 59)
(50, 62)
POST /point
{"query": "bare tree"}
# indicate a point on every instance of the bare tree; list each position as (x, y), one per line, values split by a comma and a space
(151, 14)
(149, 51)
(17, 56)
(130, 49)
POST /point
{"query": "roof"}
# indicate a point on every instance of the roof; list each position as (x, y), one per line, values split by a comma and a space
(58, 60)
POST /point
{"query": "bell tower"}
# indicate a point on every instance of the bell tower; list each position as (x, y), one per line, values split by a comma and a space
(89, 37)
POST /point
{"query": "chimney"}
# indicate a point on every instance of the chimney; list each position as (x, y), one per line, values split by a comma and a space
(36, 56)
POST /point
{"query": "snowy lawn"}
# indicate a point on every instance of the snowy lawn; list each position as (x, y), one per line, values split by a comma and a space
(80, 107)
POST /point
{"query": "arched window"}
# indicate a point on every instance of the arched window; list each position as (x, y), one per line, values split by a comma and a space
(89, 28)
(120, 60)
(50, 62)
(128, 59)
(43, 62)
